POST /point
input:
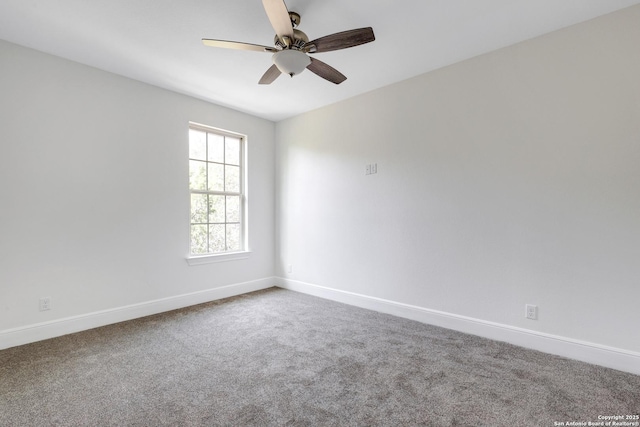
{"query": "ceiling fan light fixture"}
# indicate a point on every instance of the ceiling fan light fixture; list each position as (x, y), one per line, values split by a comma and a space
(291, 62)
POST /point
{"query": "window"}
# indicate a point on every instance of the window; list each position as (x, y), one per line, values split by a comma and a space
(216, 184)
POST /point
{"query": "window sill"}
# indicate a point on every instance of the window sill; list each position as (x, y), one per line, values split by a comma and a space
(209, 259)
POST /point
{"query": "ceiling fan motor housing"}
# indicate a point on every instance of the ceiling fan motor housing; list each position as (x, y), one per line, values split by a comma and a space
(300, 39)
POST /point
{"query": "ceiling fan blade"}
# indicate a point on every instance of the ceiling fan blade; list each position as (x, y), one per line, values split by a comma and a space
(272, 73)
(237, 45)
(326, 71)
(279, 18)
(342, 40)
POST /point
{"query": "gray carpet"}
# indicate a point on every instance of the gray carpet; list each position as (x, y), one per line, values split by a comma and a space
(280, 358)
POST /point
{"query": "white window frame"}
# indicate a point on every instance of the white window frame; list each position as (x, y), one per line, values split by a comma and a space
(198, 259)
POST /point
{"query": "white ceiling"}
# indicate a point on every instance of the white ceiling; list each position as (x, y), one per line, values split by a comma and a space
(159, 41)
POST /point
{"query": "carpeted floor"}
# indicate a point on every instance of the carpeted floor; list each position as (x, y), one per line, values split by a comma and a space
(276, 358)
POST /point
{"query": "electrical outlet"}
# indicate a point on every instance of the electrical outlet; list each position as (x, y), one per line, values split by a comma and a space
(531, 312)
(45, 303)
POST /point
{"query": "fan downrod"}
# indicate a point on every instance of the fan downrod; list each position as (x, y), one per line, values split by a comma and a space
(295, 19)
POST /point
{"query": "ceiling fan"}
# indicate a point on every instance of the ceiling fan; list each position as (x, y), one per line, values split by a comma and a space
(292, 46)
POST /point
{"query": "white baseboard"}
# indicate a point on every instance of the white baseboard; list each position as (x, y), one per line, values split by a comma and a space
(597, 354)
(69, 325)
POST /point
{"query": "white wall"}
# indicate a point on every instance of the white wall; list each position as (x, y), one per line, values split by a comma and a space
(507, 179)
(94, 202)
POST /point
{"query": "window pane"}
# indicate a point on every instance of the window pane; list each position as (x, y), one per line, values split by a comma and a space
(232, 179)
(198, 239)
(216, 148)
(197, 145)
(199, 208)
(216, 177)
(233, 237)
(197, 175)
(232, 150)
(233, 208)
(216, 238)
(216, 209)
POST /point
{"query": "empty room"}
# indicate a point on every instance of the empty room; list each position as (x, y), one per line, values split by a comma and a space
(259, 213)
